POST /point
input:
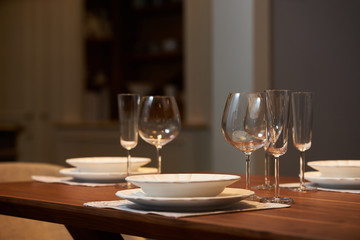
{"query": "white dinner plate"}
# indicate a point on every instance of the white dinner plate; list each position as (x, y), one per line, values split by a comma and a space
(228, 197)
(332, 182)
(103, 176)
(183, 184)
(337, 168)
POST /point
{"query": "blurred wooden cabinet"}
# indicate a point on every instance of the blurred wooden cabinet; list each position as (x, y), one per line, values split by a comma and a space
(134, 46)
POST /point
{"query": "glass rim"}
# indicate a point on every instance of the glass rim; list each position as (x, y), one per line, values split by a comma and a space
(158, 96)
(302, 92)
(277, 90)
(128, 94)
(257, 92)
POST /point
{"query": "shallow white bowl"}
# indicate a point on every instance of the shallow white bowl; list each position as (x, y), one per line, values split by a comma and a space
(106, 164)
(183, 184)
(337, 168)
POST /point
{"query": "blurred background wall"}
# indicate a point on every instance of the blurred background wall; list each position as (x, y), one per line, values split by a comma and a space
(316, 48)
(233, 45)
(41, 71)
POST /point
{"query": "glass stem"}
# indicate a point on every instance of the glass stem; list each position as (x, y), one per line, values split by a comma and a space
(159, 159)
(247, 171)
(277, 189)
(128, 167)
(302, 169)
(128, 163)
(267, 168)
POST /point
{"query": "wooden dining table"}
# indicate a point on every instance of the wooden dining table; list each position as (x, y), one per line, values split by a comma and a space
(314, 215)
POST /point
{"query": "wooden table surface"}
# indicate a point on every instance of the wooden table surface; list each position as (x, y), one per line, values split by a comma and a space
(315, 215)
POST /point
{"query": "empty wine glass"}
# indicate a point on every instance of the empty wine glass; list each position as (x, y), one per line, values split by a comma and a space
(302, 113)
(244, 125)
(128, 105)
(159, 122)
(277, 109)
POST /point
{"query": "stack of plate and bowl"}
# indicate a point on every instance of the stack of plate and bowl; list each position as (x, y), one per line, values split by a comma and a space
(184, 191)
(105, 169)
(339, 174)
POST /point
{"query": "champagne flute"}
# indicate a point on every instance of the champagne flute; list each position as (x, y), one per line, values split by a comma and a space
(302, 113)
(159, 122)
(244, 125)
(278, 104)
(128, 105)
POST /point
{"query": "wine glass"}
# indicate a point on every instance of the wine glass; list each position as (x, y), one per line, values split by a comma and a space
(277, 112)
(302, 113)
(128, 105)
(244, 124)
(159, 122)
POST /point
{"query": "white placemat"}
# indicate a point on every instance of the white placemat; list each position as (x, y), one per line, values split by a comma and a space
(291, 185)
(69, 181)
(241, 206)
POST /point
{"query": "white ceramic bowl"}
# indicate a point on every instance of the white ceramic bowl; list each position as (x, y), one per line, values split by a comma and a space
(106, 164)
(183, 184)
(337, 168)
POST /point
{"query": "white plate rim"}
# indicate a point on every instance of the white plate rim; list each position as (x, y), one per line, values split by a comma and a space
(315, 177)
(329, 163)
(74, 172)
(190, 204)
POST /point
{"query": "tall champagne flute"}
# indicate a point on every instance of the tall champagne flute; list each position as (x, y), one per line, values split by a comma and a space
(128, 105)
(244, 124)
(277, 109)
(302, 113)
(159, 122)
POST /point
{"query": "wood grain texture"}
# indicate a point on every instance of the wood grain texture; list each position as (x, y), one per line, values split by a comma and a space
(315, 215)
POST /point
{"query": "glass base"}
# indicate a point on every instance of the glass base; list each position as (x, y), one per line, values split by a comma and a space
(264, 187)
(127, 185)
(255, 198)
(303, 189)
(284, 200)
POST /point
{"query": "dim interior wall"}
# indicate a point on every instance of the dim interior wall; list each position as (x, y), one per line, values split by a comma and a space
(316, 48)
(231, 72)
(197, 64)
(241, 63)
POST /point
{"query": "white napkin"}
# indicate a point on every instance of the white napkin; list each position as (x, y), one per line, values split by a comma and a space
(69, 181)
(290, 185)
(126, 205)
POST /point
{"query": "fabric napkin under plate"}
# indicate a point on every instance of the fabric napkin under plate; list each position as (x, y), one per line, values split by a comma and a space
(241, 206)
(291, 185)
(69, 181)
